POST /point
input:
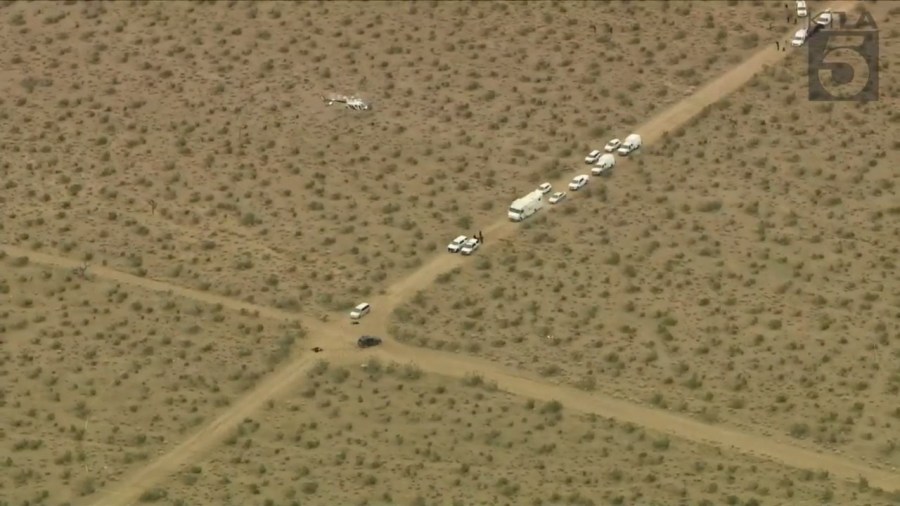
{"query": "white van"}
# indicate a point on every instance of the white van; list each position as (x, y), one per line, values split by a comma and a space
(604, 164)
(360, 311)
(802, 12)
(799, 38)
(526, 206)
(632, 143)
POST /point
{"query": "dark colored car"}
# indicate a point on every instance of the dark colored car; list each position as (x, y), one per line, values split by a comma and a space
(368, 341)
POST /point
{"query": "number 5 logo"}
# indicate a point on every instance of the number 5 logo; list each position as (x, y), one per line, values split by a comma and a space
(843, 66)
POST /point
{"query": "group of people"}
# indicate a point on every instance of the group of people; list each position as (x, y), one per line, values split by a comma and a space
(790, 20)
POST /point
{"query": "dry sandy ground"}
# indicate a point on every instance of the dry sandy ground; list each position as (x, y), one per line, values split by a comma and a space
(100, 378)
(86, 447)
(214, 113)
(744, 271)
(292, 375)
(261, 193)
(391, 435)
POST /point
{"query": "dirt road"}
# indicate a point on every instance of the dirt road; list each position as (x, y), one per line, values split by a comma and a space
(665, 422)
(37, 257)
(510, 380)
(129, 489)
(676, 116)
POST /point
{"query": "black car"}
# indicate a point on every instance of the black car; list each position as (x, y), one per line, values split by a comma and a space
(368, 341)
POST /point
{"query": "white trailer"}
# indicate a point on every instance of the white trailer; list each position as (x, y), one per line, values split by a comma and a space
(632, 143)
(604, 164)
(526, 206)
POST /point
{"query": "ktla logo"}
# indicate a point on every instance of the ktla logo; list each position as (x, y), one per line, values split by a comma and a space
(843, 58)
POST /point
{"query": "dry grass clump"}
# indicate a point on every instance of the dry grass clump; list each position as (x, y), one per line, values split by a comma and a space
(99, 379)
(189, 142)
(743, 271)
(388, 434)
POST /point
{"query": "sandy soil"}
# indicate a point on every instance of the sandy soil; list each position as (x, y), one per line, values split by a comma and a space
(742, 271)
(289, 378)
(214, 115)
(100, 378)
(166, 147)
(389, 434)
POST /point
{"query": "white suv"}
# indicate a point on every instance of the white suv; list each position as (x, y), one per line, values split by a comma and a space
(456, 244)
(578, 182)
(470, 246)
(360, 311)
(612, 145)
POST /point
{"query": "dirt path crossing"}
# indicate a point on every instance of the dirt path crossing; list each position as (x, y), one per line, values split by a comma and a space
(337, 337)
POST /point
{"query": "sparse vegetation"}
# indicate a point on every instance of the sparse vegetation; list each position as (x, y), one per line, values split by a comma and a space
(371, 434)
(741, 270)
(126, 375)
(218, 187)
(744, 275)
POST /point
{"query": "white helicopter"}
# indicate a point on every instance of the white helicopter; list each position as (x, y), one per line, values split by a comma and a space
(354, 103)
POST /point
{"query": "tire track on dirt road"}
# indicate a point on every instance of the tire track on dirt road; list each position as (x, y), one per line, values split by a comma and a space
(653, 131)
(338, 349)
(507, 379)
(326, 335)
(99, 271)
(679, 426)
(128, 491)
(669, 120)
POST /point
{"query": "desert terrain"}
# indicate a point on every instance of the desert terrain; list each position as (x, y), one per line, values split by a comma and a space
(390, 434)
(743, 271)
(100, 377)
(184, 218)
(189, 141)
